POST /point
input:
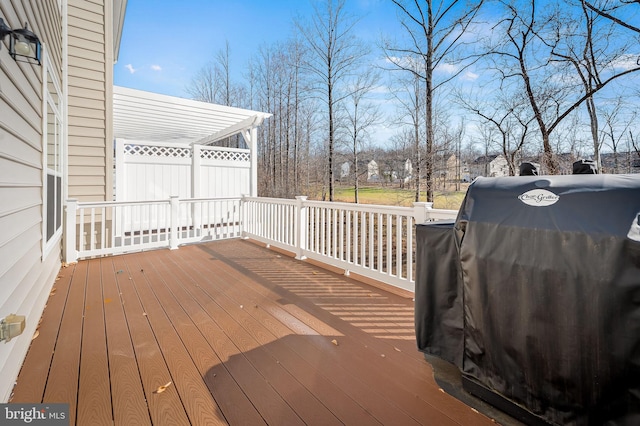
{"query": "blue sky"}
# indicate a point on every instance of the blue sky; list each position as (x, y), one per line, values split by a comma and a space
(166, 42)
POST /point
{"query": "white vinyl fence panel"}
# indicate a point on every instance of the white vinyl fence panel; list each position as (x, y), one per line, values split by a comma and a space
(158, 171)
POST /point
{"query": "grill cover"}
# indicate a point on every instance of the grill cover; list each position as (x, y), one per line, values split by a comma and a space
(438, 307)
(551, 283)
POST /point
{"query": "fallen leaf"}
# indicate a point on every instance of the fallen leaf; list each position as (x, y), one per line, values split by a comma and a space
(144, 313)
(162, 388)
(397, 349)
(278, 256)
(335, 342)
(36, 334)
(315, 273)
(53, 292)
(383, 355)
(107, 300)
(441, 390)
(65, 264)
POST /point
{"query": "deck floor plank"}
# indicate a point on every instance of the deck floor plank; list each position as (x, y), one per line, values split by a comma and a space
(35, 369)
(129, 404)
(149, 357)
(245, 336)
(94, 392)
(62, 383)
(196, 399)
(207, 355)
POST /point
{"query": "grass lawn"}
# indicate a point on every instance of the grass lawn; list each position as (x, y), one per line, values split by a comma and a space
(398, 197)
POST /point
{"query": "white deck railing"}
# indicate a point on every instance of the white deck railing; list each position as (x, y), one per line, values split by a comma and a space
(371, 240)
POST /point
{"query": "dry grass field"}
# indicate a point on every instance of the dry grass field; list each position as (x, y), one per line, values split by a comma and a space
(450, 199)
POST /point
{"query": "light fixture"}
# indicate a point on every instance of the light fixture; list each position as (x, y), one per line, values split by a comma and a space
(24, 45)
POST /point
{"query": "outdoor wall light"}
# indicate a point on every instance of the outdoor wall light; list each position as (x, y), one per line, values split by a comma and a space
(24, 45)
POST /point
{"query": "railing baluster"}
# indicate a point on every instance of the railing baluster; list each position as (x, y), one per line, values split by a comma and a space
(102, 226)
(92, 245)
(371, 241)
(389, 268)
(81, 231)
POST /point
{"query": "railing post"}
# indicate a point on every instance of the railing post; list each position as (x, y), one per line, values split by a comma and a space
(301, 226)
(175, 219)
(70, 252)
(420, 212)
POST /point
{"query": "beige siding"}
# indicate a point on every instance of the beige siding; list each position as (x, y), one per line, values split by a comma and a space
(26, 276)
(90, 92)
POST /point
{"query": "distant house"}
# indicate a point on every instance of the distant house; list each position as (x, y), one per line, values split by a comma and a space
(345, 169)
(489, 166)
(373, 171)
(370, 167)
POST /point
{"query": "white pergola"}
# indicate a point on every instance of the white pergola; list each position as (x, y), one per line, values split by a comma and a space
(152, 117)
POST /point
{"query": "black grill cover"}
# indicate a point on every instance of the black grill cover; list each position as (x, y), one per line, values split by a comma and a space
(551, 294)
(438, 294)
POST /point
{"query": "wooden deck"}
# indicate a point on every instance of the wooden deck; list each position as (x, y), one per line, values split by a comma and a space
(229, 333)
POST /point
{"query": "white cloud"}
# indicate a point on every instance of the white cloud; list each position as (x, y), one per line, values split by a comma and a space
(156, 67)
(447, 68)
(130, 68)
(625, 62)
(470, 76)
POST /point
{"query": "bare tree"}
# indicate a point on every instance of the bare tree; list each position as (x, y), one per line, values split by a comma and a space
(334, 54)
(561, 59)
(508, 114)
(616, 127)
(360, 116)
(618, 11)
(202, 86)
(408, 94)
(435, 30)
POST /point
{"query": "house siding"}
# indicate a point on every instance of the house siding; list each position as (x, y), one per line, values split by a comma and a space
(26, 273)
(90, 99)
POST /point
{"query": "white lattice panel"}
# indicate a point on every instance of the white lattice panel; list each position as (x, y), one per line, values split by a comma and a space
(157, 151)
(224, 155)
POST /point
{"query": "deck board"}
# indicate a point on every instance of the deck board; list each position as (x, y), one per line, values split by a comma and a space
(186, 380)
(129, 405)
(94, 391)
(62, 383)
(244, 334)
(151, 363)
